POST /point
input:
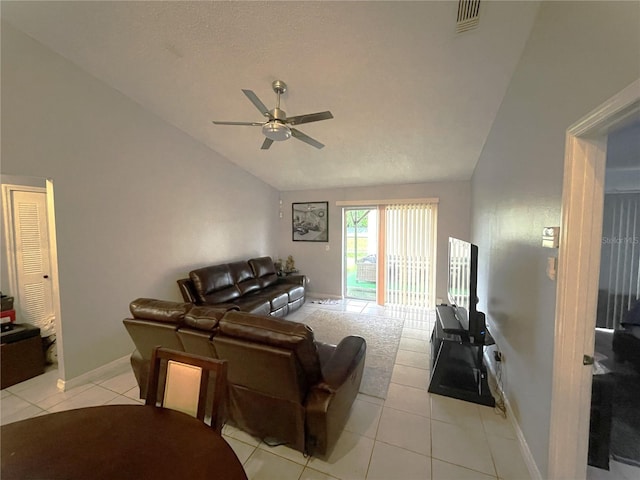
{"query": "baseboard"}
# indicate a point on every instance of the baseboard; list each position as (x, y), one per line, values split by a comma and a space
(64, 385)
(534, 472)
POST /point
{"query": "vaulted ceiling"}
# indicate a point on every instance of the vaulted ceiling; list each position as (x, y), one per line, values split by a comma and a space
(412, 100)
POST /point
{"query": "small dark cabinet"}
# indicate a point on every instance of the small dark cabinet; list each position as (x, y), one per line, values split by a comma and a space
(21, 354)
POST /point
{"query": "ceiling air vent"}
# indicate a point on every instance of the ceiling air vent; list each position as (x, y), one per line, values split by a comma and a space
(468, 15)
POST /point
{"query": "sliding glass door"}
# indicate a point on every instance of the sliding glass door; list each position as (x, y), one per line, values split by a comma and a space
(389, 253)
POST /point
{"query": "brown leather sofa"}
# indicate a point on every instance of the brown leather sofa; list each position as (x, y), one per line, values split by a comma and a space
(251, 286)
(284, 386)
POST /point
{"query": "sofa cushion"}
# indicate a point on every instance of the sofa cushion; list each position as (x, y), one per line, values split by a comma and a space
(256, 304)
(275, 332)
(214, 284)
(277, 295)
(264, 271)
(278, 300)
(159, 310)
(293, 291)
(242, 276)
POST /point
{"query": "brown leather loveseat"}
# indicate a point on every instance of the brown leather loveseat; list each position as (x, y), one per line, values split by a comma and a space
(251, 286)
(284, 386)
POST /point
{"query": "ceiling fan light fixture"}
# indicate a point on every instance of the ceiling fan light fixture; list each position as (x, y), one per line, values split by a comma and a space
(276, 131)
(277, 127)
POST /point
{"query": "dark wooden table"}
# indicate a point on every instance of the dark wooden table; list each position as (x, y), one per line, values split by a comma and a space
(116, 442)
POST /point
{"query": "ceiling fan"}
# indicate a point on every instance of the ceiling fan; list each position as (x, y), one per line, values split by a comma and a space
(277, 127)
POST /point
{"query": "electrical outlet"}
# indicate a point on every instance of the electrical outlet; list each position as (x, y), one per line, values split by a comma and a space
(497, 356)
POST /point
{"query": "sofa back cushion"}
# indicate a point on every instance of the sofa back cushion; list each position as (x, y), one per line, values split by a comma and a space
(264, 271)
(278, 333)
(242, 276)
(159, 310)
(214, 284)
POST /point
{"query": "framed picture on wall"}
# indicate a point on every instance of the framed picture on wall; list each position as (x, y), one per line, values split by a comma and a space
(310, 222)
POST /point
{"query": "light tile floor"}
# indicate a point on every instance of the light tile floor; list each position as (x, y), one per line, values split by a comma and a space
(412, 435)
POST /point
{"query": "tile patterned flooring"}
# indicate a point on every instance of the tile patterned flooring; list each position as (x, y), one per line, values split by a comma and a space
(412, 435)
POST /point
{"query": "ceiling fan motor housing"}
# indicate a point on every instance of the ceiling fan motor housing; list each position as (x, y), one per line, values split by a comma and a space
(276, 130)
(278, 114)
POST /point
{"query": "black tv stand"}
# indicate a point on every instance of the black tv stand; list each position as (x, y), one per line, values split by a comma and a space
(457, 362)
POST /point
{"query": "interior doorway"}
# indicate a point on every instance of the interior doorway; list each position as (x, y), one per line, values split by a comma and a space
(577, 289)
(30, 261)
(614, 444)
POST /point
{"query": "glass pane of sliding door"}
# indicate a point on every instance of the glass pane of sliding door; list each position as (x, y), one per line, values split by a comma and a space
(360, 253)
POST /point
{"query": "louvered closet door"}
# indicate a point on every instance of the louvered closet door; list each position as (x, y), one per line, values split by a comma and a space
(32, 260)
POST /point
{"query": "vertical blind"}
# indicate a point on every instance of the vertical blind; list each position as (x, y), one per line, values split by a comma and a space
(620, 258)
(410, 242)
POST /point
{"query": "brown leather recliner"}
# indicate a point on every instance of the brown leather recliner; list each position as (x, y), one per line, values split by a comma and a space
(286, 386)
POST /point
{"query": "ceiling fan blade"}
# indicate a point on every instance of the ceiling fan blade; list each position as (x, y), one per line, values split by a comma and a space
(306, 138)
(266, 144)
(310, 117)
(251, 124)
(257, 102)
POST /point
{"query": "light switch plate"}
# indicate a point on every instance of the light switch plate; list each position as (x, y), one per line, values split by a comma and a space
(551, 237)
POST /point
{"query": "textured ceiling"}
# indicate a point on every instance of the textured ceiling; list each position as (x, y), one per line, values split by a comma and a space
(413, 101)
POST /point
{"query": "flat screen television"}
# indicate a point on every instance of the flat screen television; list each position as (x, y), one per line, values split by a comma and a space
(463, 288)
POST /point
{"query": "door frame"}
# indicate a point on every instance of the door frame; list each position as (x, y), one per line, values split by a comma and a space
(578, 277)
(7, 190)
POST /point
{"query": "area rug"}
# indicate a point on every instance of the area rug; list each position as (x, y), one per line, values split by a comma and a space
(381, 333)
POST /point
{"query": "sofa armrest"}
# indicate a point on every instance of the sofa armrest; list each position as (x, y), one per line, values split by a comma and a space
(186, 289)
(295, 279)
(329, 402)
(343, 361)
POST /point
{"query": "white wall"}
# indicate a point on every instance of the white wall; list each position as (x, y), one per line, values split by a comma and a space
(324, 268)
(138, 202)
(579, 54)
